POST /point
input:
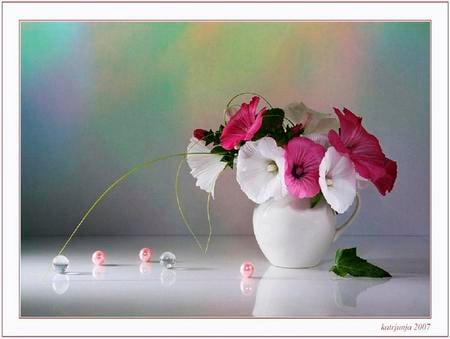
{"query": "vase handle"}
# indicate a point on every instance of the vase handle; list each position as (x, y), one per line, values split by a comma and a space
(341, 228)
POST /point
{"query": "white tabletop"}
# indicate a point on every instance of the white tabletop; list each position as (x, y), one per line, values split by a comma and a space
(211, 286)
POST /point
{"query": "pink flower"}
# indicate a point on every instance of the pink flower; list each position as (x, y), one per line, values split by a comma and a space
(243, 125)
(362, 147)
(364, 150)
(199, 133)
(302, 160)
(386, 183)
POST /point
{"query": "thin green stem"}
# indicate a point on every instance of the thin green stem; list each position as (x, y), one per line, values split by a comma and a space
(180, 208)
(114, 184)
(248, 93)
(208, 213)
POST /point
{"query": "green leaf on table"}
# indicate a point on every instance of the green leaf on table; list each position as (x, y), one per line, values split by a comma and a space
(347, 262)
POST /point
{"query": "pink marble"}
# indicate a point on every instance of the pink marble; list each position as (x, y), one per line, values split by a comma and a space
(145, 254)
(247, 269)
(98, 257)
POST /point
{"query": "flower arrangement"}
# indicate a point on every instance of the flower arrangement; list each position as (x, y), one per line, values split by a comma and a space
(320, 156)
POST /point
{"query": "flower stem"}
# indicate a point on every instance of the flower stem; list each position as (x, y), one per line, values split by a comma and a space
(135, 169)
(180, 208)
(248, 93)
(208, 213)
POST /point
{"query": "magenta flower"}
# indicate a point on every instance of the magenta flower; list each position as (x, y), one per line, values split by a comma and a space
(364, 150)
(302, 160)
(386, 184)
(243, 125)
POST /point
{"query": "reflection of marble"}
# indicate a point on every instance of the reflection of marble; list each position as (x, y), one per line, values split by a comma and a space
(60, 283)
(300, 292)
(145, 268)
(168, 277)
(98, 272)
(248, 286)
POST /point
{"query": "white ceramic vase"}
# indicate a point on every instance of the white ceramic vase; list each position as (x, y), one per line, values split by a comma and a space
(292, 234)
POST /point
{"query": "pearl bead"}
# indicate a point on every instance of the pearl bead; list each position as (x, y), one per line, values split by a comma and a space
(60, 263)
(168, 260)
(145, 254)
(247, 269)
(98, 257)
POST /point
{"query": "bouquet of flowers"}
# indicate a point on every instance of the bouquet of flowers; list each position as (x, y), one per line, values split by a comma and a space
(316, 157)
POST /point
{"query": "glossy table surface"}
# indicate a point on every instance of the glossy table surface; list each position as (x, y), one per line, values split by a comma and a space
(211, 286)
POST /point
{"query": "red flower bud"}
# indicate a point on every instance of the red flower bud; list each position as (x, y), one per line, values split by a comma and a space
(297, 130)
(199, 133)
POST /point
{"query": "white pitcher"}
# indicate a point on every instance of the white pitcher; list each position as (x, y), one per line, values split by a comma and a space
(292, 234)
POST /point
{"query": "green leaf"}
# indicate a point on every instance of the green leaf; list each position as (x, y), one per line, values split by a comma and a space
(229, 159)
(347, 262)
(213, 137)
(219, 150)
(272, 124)
(315, 199)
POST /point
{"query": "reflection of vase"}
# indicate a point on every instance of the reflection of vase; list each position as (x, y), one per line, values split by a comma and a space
(284, 292)
(292, 234)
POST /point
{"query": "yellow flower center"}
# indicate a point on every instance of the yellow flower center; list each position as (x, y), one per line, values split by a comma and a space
(272, 167)
(329, 181)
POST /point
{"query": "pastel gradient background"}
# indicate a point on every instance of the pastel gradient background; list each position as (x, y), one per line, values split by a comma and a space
(99, 98)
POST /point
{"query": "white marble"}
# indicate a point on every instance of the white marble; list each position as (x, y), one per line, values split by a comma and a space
(211, 285)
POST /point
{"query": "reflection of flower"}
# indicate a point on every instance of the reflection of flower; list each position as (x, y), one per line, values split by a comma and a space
(337, 180)
(313, 121)
(260, 170)
(364, 150)
(302, 159)
(243, 125)
(204, 167)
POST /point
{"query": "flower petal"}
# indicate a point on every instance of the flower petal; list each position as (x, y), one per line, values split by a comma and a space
(363, 148)
(252, 174)
(386, 183)
(243, 125)
(319, 138)
(204, 167)
(337, 180)
(304, 154)
(315, 122)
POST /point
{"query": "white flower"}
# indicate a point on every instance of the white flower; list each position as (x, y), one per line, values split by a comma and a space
(362, 182)
(314, 122)
(319, 138)
(204, 167)
(260, 170)
(337, 180)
